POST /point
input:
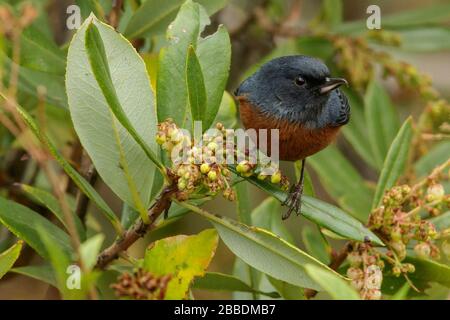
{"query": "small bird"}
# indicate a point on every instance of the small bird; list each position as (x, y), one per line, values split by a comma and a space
(295, 95)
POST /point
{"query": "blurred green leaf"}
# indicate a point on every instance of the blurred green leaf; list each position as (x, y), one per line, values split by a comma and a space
(437, 155)
(429, 271)
(90, 249)
(92, 6)
(263, 250)
(341, 180)
(42, 273)
(225, 282)
(9, 257)
(126, 92)
(196, 86)
(183, 257)
(395, 161)
(315, 46)
(402, 293)
(316, 245)
(154, 16)
(332, 12)
(48, 200)
(81, 183)
(243, 205)
(334, 285)
(381, 120)
(23, 222)
(432, 39)
(442, 221)
(323, 214)
(128, 216)
(227, 113)
(356, 130)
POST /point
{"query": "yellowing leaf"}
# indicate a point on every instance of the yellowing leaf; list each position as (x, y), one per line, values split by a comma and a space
(183, 257)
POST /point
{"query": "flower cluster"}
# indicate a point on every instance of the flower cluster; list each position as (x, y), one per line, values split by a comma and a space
(141, 285)
(203, 168)
(365, 271)
(357, 59)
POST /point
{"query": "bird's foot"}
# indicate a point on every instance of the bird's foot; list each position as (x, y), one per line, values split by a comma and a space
(293, 201)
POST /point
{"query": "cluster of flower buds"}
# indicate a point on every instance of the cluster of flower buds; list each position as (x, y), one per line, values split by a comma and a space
(141, 285)
(203, 168)
(385, 37)
(436, 117)
(365, 271)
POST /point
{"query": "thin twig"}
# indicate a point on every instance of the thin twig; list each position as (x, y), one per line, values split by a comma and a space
(114, 15)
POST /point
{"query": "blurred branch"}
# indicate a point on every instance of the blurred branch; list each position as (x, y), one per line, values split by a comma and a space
(114, 15)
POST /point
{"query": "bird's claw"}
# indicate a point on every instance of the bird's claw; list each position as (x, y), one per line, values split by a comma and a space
(293, 202)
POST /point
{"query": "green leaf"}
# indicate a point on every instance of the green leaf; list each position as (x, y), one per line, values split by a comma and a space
(87, 7)
(243, 205)
(94, 93)
(171, 84)
(316, 245)
(429, 271)
(395, 161)
(267, 215)
(23, 222)
(332, 12)
(323, 214)
(433, 39)
(90, 249)
(214, 54)
(433, 158)
(263, 250)
(42, 273)
(38, 52)
(196, 86)
(48, 200)
(335, 286)
(227, 113)
(356, 130)
(442, 221)
(71, 172)
(381, 120)
(183, 257)
(287, 290)
(9, 257)
(402, 293)
(225, 282)
(341, 180)
(154, 16)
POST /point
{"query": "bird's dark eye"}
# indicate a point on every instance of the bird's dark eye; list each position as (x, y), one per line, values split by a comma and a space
(299, 81)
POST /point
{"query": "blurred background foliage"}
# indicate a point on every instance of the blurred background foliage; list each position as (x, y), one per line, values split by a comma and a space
(394, 73)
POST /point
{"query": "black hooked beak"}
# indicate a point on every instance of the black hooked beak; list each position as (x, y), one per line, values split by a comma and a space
(331, 84)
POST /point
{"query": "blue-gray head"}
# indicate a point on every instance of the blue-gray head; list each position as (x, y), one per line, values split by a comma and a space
(298, 89)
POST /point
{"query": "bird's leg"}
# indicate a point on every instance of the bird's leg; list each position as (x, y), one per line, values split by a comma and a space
(294, 199)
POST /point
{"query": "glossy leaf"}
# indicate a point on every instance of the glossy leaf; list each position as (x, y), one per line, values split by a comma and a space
(395, 161)
(429, 271)
(341, 180)
(154, 16)
(9, 257)
(287, 290)
(224, 282)
(324, 214)
(23, 222)
(183, 257)
(263, 250)
(196, 86)
(381, 121)
(335, 286)
(125, 91)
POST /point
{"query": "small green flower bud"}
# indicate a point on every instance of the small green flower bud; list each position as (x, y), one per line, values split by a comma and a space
(276, 178)
(204, 168)
(262, 176)
(181, 184)
(212, 175)
(160, 139)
